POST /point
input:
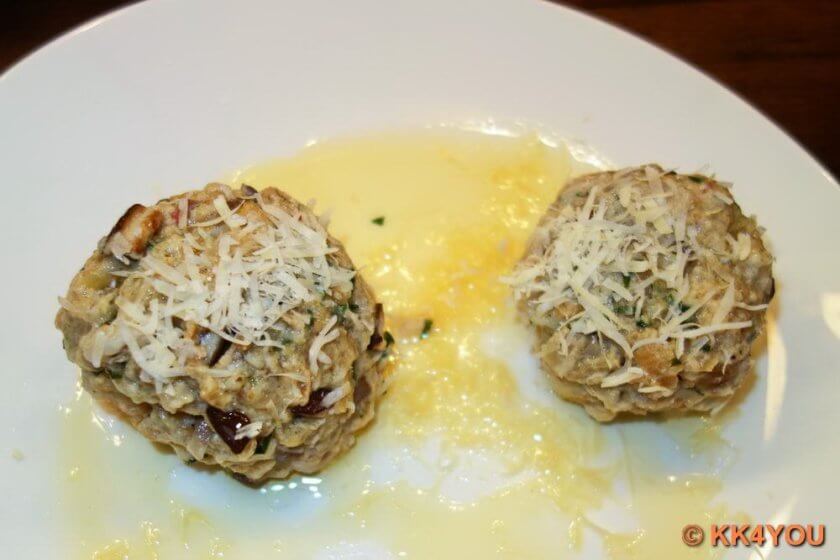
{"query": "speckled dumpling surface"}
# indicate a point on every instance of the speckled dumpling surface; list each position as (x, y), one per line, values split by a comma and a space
(231, 326)
(645, 290)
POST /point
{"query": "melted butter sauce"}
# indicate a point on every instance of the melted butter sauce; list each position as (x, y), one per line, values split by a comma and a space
(471, 455)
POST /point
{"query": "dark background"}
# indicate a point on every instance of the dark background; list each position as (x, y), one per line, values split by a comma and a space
(781, 55)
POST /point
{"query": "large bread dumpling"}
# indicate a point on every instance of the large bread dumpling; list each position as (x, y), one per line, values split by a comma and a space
(645, 290)
(229, 325)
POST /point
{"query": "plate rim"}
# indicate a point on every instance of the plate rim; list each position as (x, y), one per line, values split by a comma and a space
(68, 35)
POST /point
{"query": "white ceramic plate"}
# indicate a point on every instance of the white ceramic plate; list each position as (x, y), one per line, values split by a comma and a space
(165, 95)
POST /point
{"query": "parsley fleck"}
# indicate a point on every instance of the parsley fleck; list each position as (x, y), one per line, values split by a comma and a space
(642, 324)
(697, 178)
(379, 220)
(676, 362)
(389, 338)
(625, 279)
(706, 347)
(262, 445)
(427, 329)
(622, 308)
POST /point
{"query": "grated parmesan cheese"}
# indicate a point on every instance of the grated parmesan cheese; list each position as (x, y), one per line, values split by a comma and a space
(335, 395)
(604, 255)
(235, 276)
(324, 337)
(248, 431)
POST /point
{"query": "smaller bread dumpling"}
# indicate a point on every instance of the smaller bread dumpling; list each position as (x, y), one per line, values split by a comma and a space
(645, 290)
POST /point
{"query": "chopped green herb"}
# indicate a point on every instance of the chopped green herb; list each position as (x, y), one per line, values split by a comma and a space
(642, 324)
(676, 362)
(354, 308)
(697, 178)
(707, 347)
(389, 338)
(625, 279)
(427, 329)
(262, 445)
(340, 309)
(190, 461)
(622, 308)
(684, 307)
(379, 220)
(669, 299)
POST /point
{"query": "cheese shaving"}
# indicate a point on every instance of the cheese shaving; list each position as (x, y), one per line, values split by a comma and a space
(335, 395)
(622, 376)
(324, 337)
(235, 276)
(248, 431)
(725, 305)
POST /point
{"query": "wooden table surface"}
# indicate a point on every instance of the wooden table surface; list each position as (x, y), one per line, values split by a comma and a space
(781, 55)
